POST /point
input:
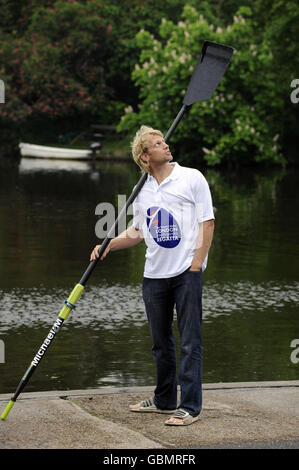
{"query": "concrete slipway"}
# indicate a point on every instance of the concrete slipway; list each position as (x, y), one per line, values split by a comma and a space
(235, 415)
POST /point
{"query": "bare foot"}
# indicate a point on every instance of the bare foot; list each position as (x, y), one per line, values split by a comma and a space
(135, 407)
(174, 420)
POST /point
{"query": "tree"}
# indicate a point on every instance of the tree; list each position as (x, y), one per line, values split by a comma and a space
(58, 64)
(236, 125)
(63, 59)
(67, 63)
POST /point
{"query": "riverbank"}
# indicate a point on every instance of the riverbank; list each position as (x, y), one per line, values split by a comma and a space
(242, 415)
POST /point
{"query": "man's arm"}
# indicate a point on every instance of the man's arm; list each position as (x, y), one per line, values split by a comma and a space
(130, 237)
(204, 241)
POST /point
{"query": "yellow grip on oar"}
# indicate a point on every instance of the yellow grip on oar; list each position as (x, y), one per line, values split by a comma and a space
(70, 303)
(7, 409)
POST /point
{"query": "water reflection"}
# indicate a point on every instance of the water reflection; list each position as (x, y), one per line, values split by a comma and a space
(112, 307)
(47, 221)
(244, 296)
(45, 165)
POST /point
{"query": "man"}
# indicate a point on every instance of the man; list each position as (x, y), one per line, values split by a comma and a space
(173, 214)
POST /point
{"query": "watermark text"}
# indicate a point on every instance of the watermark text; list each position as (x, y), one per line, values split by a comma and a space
(2, 352)
(2, 92)
(295, 354)
(180, 224)
(295, 93)
(108, 216)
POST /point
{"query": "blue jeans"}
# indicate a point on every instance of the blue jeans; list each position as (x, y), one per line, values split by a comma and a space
(160, 296)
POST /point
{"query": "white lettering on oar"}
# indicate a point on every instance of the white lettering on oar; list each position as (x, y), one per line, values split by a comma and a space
(47, 342)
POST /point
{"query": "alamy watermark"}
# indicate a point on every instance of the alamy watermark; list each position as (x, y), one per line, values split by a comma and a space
(295, 94)
(295, 354)
(2, 352)
(2, 92)
(108, 216)
(166, 228)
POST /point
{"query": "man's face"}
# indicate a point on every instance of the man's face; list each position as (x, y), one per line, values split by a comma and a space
(157, 151)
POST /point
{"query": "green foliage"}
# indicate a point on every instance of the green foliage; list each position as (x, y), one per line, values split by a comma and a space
(236, 125)
(64, 59)
(73, 62)
(56, 68)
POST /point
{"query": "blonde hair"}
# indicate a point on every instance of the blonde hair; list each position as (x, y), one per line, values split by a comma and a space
(140, 145)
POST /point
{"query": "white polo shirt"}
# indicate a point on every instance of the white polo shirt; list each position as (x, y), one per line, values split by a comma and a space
(170, 216)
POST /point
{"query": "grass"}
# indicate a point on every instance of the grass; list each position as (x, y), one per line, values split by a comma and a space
(119, 146)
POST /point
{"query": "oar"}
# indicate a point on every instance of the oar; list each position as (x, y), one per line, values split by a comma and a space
(212, 64)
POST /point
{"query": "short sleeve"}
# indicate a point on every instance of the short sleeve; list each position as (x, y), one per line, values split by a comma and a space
(202, 197)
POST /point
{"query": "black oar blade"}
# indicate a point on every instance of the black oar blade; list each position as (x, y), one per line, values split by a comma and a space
(208, 72)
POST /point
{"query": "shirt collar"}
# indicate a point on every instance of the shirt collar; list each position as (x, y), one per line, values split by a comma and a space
(176, 172)
(174, 175)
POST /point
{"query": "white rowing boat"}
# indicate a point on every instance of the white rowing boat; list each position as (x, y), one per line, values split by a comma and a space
(42, 151)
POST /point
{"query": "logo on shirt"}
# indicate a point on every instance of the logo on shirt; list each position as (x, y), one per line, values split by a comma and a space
(163, 227)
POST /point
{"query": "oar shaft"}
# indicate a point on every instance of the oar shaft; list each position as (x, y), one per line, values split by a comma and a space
(69, 304)
(175, 122)
(36, 360)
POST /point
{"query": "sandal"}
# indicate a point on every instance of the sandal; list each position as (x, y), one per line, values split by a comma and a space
(184, 417)
(149, 407)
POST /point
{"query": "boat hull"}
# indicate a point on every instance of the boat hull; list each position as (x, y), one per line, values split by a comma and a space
(42, 151)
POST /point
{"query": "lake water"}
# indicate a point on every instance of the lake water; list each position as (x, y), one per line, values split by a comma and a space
(47, 230)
